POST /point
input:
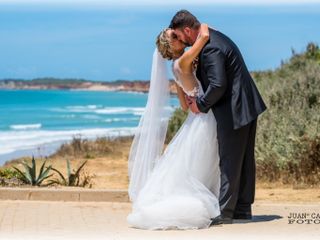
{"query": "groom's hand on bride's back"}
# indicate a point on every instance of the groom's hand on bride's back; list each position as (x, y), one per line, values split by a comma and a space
(192, 104)
(188, 100)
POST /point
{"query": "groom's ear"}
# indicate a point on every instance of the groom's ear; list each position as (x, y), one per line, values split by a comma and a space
(187, 31)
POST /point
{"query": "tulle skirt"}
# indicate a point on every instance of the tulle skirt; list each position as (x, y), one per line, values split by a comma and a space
(182, 192)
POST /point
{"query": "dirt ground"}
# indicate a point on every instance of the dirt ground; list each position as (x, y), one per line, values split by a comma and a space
(111, 173)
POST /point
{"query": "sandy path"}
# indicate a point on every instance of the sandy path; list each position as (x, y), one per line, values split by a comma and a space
(94, 220)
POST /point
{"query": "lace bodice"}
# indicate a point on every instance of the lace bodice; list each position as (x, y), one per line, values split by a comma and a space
(187, 81)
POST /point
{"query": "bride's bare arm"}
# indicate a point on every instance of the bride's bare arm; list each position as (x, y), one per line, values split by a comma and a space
(182, 98)
(186, 59)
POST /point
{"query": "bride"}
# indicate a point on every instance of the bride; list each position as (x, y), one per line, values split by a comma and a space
(179, 188)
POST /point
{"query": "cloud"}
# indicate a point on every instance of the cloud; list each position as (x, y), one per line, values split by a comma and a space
(112, 3)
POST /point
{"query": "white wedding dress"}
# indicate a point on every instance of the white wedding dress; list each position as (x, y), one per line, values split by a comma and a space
(182, 191)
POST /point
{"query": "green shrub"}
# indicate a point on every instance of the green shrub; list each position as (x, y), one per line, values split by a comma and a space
(175, 123)
(290, 128)
(8, 173)
(288, 133)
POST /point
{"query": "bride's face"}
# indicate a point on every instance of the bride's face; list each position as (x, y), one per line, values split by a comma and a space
(176, 45)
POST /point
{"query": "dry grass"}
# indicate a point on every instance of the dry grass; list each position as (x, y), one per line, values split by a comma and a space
(110, 172)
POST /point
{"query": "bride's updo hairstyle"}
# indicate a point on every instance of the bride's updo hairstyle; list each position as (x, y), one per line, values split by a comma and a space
(163, 44)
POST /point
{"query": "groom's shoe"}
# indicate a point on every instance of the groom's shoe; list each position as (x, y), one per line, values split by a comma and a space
(220, 220)
(242, 215)
(242, 218)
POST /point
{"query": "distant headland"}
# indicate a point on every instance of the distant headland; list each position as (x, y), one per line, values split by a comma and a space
(79, 84)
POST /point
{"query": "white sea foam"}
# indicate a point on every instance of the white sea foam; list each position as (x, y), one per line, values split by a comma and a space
(11, 141)
(90, 116)
(26, 126)
(67, 116)
(109, 120)
(98, 109)
(121, 110)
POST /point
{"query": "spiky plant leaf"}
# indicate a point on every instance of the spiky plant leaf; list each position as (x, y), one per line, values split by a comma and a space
(50, 182)
(28, 173)
(43, 175)
(79, 169)
(60, 174)
(42, 167)
(43, 178)
(33, 168)
(68, 168)
(23, 177)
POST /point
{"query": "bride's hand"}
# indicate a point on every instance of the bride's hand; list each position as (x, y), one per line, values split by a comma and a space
(204, 31)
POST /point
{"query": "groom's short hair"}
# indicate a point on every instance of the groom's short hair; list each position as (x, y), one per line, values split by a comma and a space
(183, 19)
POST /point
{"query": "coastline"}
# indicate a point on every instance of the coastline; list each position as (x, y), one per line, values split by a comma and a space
(77, 85)
(50, 148)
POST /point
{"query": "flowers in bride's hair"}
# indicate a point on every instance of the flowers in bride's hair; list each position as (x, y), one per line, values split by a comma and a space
(163, 44)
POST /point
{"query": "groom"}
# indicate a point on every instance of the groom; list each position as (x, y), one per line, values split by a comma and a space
(236, 103)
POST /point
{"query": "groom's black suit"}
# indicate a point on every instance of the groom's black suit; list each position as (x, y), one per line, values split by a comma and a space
(236, 103)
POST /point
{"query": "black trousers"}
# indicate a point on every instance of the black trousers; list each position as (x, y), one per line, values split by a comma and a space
(237, 165)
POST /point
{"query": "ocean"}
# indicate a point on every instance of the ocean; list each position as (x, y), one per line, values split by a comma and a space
(37, 122)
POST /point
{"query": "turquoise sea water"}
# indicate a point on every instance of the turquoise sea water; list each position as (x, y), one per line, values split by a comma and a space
(38, 121)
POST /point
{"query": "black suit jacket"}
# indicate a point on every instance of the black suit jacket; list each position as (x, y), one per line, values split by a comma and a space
(227, 82)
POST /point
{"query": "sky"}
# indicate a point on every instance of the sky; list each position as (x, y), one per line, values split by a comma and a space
(112, 40)
(157, 2)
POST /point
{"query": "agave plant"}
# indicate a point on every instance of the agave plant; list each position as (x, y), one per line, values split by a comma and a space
(72, 179)
(30, 175)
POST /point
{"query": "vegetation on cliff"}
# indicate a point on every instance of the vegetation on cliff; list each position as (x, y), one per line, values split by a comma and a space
(288, 133)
